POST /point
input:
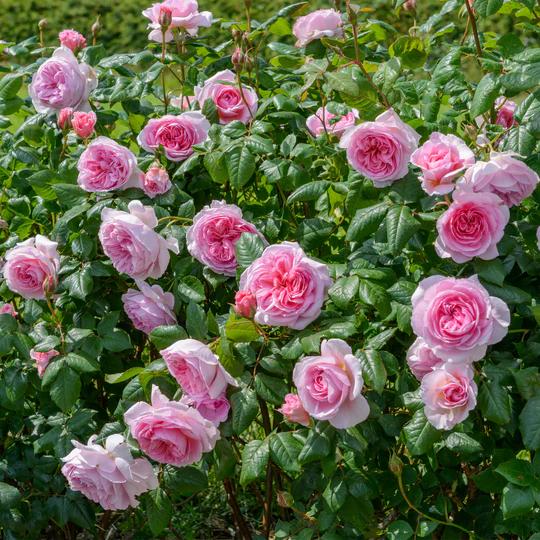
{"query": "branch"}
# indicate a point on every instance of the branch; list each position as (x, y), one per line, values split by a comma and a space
(237, 513)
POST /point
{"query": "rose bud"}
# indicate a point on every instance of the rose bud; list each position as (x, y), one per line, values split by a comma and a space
(64, 119)
(165, 18)
(285, 499)
(395, 464)
(42, 24)
(83, 123)
(49, 286)
(238, 60)
(246, 304)
(96, 28)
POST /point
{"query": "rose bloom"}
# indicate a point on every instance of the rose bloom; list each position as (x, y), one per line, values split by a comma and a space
(329, 386)
(245, 304)
(129, 240)
(8, 309)
(381, 150)
(170, 431)
(183, 102)
(457, 318)
(319, 24)
(108, 476)
(185, 15)
(215, 410)
(64, 119)
(421, 359)
(472, 227)
(106, 165)
(294, 411)
(441, 159)
(72, 40)
(289, 287)
(149, 308)
(29, 264)
(62, 82)
(222, 90)
(319, 123)
(83, 123)
(197, 369)
(42, 359)
(507, 177)
(449, 393)
(177, 134)
(212, 237)
(155, 182)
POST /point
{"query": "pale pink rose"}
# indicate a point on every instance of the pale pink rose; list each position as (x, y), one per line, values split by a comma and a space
(504, 175)
(149, 308)
(319, 24)
(289, 287)
(62, 82)
(171, 432)
(64, 119)
(106, 165)
(449, 393)
(42, 359)
(421, 359)
(232, 103)
(441, 159)
(183, 102)
(108, 476)
(294, 411)
(215, 410)
(8, 309)
(381, 150)
(245, 304)
(184, 15)
(320, 122)
(72, 40)
(83, 123)
(177, 134)
(330, 386)
(155, 182)
(29, 264)
(129, 240)
(212, 237)
(472, 226)
(197, 369)
(457, 318)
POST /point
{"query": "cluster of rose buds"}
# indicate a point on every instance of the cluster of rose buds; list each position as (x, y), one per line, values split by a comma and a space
(83, 123)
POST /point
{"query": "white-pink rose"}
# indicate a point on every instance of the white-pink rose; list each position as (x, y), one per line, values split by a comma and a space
(83, 123)
(321, 122)
(216, 410)
(155, 182)
(72, 40)
(294, 411)
(319, 24)
(42, 359)
(421, 359)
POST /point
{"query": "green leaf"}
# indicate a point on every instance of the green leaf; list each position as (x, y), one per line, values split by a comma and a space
(528, 382)
(410, 50)
(165, 336)
(419, 434)
(117, 341)
(66, 388)
(225, 458)
(373, 294)
(10, 497)
(309, 192)
(190, 288)
(486, 8)
(529, 424)
(158, 510)
(70, 195)
(313, 233)
(248, 248)
(318, 444)
(342, 83)
(522, 77)
(344, 290)
(486, 93)
(240, 165)
(122, 377)
(270, 389)
(518, 471)
(240, 330)
(8, 323)
(285, 449)
(489, 481)
(516, 501)
(492, 271)
(188, 479)
(254, 460)
(216, 167)
(335, 493)
(373, 369)
(400, 227)
(366, 221)
(399, 530)
(10, 85)
(493, 402)
(245, 408)
(462, 443)
(80, 283)
(82, 362)
(196, 323)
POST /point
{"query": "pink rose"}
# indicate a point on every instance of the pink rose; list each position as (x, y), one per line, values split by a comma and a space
(215, 410)
(289, 287)
(29, 264)
(183, 102)
(149, 308)
(449, 393)
(171, 432)
(72, 40)
(129, 240)
(197, 369)
(441, 159)
(106, 165)
(155, 182)
(505, 117)
(508, 177)
(232, 103)
(108, 476)
(42, 359)
(177, 134)
(64, 119)
(212, 237)
(381, 150)
(320, 122)
(330, 386)
(472, 226)
(62, 82)
(8, 309)
(83, 123)
(245, 304)
(294, 411)
(421, 359)
(319, 24)
(457, 318)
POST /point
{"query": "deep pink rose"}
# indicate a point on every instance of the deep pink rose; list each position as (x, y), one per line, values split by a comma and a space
(129, 240)
(449, 393)
(320, 122)
(508, 177)
(171, 432)
(62, 82)
(108, 476)
(472, 226)
(212, 237)
(421, 359)
(83, 123)
(29, 264)
(457, 318)
(381, 150)
(8, 309)
(197, 369)
(330, 386)
(42, 359)
(155, 182)
(232, 103)
(106, 165)
(149, 308)
(294, 411)
(289, 287)
(72, 40)
(245, 304)
(215, 410)
(177, 134)
(441, 159)
(183, 102)
(64, 119)
(319, 24)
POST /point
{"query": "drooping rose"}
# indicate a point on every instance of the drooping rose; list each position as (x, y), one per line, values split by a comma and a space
(319, 24)
(330, 386)
(108, 476)
(72, 40)
(289, 287)
(8, 309)
(294, 411)
(421, 359)
(42, 359)
(245, 304)
(155, 182)
(321, 122)
(216, 410)
(83, 123)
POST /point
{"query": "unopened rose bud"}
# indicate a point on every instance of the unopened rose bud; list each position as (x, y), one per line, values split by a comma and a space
(83, 123)
(245, 304)
(165, 18)
(49, 286)
(285, 499)
(470, 131)
(42, 24)
(395, 464)
(237, 35)
(3, 224)
(64, 119)
(247, 3)
(352, 15)
(248, 64)
(238, 60)
(409, 5)
(96, 28)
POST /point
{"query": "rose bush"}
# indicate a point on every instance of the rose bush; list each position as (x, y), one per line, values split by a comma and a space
(297, 269)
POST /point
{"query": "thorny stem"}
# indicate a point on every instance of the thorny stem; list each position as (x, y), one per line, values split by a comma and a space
(472, 19)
